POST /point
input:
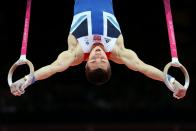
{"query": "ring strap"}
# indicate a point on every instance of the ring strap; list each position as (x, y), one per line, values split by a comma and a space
(170, 27)
(22, 60)
(175, 62)
(26, 28)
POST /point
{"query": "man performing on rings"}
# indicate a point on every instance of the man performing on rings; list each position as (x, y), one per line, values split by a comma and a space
(95, 37)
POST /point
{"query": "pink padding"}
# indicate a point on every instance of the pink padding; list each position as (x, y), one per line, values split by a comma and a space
(170, 28)
(26, 28)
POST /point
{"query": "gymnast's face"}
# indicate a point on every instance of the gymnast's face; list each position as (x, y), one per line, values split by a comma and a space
(98, 59)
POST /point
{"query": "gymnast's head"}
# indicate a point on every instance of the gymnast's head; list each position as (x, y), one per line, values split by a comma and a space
(98, 70)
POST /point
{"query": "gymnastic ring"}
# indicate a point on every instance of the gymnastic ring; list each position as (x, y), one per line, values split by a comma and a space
(184, 71)
(15, 65)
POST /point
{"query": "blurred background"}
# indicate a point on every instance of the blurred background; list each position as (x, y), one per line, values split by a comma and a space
(66, 101)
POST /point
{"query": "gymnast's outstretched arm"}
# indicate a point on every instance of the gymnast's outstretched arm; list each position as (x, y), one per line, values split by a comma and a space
(128, 57)
(71, 57)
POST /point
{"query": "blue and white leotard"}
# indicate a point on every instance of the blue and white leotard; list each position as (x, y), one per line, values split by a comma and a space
(94, 22)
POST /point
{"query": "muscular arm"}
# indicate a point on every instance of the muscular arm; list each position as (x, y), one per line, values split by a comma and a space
(73, 56)
(64, 60)
(128, 57)
(125, 56)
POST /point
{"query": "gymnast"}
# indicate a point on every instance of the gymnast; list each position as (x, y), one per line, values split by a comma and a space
(95, 37)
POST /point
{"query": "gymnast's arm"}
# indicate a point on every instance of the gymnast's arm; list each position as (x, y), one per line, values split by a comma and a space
(71, 57)
(128, 57)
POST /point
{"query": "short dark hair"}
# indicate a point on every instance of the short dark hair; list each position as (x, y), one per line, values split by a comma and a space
(98, 76)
